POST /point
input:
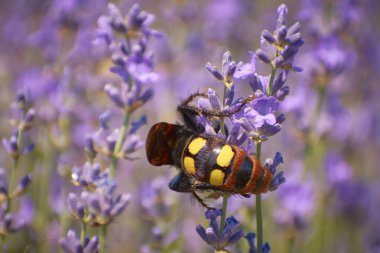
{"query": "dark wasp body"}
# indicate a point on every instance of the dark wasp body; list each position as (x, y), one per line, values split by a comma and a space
(206, 162)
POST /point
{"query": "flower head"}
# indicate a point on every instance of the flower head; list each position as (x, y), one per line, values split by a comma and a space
(71, 244)
(220, 239)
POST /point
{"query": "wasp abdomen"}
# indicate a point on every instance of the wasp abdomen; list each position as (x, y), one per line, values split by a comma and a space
(223, 166)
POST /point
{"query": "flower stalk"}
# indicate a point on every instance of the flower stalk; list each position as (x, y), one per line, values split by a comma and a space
(119, 144)
(259, 217)
(102, 238)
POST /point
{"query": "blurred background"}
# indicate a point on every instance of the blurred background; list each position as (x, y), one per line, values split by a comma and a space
(330, 140)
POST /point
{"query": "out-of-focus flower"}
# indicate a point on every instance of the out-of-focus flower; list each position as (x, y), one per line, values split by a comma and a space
(105, 207)
(250, 237)
(351, 196)
(297, 201)
(11, 222)
(19, 143)
(71, 244)
(219, 238)
(88, 176)
(156, 200)
(22, 185)
(78, 206)
(259, 119)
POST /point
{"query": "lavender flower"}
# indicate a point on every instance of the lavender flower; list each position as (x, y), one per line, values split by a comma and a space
(156, 201)
(220, 239)
(71, 244)
(272, 164)
(22, 185)
(19, 142)
(228, 70)
(351, 196)
(78, 206)
(105, 207)
(297, 201)
(259, 118)
(250, 237)
(88, 176)
(11, 222)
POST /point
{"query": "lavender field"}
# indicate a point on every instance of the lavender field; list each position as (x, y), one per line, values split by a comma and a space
(289, 89)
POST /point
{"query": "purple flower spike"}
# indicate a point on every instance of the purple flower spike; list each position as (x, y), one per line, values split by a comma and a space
(297, 201)
(229, 68)
(230, 234)
(78, 206)
(22, 186)
(88, 175)
(71, 244)
(11, 222)
(104, 207)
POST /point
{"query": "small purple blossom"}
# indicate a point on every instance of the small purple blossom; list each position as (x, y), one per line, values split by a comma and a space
(228, 70)
(71, 244)
(260, 118)
(22, 186)
(250, 237)
(88, 176)
(219, 240)
(296, 201)
(272, 164)
(105, 207)
(352, 197)
(11, 222)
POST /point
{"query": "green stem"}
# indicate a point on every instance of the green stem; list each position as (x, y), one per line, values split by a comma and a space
(119, 144)
(224, 213)
(271, 80)
(2, 243)
(290, 243)
(102, 238)
(83, 233)
(222, 125)
(259, 218)
(12, 183)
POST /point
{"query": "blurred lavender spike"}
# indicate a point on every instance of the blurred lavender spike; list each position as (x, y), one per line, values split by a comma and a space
(70, 244)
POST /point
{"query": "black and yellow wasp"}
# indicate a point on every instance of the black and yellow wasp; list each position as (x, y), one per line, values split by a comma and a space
(205, 162)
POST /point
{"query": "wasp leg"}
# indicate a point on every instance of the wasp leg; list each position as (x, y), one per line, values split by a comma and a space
(190, 112)
(202, 201)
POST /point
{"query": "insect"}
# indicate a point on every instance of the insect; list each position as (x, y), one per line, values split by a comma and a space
(206, 163)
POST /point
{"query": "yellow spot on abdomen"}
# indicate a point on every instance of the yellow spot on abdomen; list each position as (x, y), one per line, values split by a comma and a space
(196, 145)
(225, 156)
(189, 165)
(216, 177)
